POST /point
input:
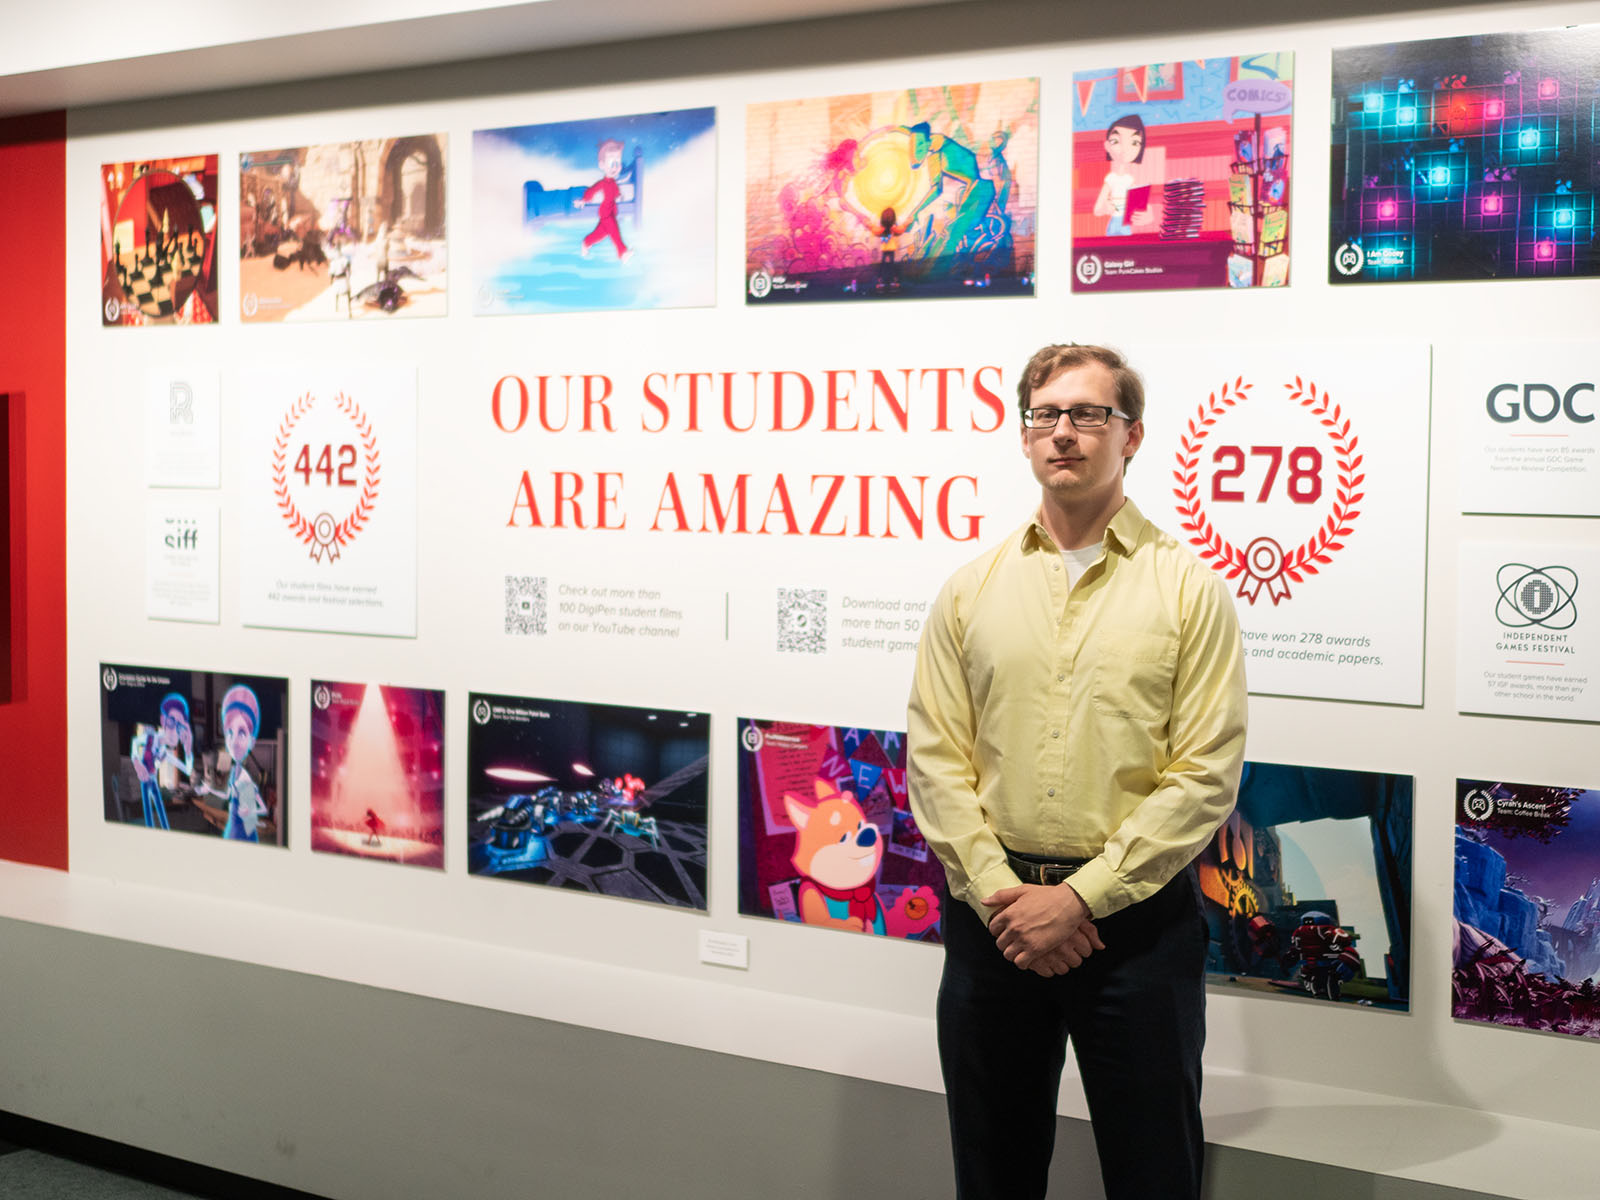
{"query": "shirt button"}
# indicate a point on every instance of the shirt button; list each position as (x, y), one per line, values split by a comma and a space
(1055, 733)
(1059, 678)
(1050, 791)
(1055, 566)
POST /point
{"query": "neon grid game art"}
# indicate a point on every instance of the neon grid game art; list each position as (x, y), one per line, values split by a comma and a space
(343, 230)
(1466, 158)
(618, 212)
(377, 772)
(1180, 174)
(1307, 886)
(826, 835)
(194, 751)
(1527, 907)
(888, 195)
(158, 242)
(592, 797)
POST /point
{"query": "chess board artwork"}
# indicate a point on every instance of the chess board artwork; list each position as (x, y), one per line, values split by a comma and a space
(1466, 158)
(158, 242)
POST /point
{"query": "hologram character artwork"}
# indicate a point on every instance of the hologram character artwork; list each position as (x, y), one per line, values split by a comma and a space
(241, 724)
(153, 748)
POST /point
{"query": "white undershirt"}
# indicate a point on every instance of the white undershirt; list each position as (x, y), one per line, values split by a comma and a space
(1079, 561)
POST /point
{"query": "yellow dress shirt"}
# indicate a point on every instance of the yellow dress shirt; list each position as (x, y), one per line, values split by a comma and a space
(1103, 722)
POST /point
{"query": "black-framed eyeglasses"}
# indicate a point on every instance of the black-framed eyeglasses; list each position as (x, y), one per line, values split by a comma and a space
(1082, 416)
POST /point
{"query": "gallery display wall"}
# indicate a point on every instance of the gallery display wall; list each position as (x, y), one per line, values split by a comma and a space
(702, 504)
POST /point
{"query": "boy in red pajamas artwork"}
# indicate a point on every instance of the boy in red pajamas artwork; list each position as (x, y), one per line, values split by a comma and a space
(608, 190)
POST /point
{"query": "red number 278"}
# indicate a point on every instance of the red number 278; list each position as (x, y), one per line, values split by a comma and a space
(1305, 473)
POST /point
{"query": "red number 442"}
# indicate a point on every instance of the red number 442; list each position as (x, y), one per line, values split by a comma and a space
(326, 467)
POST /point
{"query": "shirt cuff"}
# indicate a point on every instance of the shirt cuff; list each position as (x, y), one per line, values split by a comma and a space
(991, 881)
(1100, 888)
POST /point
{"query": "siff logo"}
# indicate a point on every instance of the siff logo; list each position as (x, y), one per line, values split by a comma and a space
(1551, 404)
(182, 537)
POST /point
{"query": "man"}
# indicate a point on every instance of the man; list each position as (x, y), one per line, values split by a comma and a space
(1076, 732)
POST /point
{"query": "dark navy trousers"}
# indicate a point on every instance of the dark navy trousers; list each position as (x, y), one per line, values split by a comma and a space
(1135, 1015)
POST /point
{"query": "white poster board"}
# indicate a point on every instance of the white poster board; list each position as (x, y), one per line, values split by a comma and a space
(1525, 416)
(1527, 646)
(328, 493)
(182, 540)
(182, 428)
(1299, 473)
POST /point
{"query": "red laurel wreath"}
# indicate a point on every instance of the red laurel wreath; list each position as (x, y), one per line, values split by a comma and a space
(1264, 561)
(322, 533)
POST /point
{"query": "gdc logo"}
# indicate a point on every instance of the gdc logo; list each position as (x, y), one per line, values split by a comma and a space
(1539, 402)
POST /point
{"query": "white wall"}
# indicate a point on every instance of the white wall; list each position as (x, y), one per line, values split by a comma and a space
(1416, 1095)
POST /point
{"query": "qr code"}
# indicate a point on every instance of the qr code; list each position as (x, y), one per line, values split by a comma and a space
(526, 610)
(803, 620)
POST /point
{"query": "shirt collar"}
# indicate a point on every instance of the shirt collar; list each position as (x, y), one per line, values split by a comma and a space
(1123, 533)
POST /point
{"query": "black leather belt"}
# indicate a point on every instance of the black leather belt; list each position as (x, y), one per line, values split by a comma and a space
(1033, 868)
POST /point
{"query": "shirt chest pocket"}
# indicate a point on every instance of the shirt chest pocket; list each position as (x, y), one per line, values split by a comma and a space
(1131, 673)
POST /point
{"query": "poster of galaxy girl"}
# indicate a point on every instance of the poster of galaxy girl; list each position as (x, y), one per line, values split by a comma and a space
(1527, 906)
(618, 212)
(1180, 174)
(602, 798)
(888, 195)
(1307, 886)
(343, 230)
(826, 835)
(158, 241)
(1465, 158)
(377, 772)
(194, 751)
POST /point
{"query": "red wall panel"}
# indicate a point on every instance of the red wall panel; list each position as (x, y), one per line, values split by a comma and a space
(33, 372)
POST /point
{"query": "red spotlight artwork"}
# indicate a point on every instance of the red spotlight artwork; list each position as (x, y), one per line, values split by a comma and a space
(377, 772)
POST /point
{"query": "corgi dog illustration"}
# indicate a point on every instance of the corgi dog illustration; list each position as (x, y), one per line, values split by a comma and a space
(837, 852)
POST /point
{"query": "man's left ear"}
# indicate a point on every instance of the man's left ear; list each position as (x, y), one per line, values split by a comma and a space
(1135, 438)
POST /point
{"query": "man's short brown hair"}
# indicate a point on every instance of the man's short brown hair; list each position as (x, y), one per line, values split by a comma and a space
(1051, 360)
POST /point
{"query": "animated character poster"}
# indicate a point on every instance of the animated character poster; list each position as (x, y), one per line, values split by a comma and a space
(196, 751)
(826, 835)
(618, 212)
(1465, 158)
(593, 797)
(1307, 886)
(158, 242)
(1180, 174)
(343, 230)
(886, 195)
(377, 772)
(1527, 906)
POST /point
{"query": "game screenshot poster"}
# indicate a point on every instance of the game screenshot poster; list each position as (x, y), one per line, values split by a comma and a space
(1180, 174)
(826, 835)
(196, 751)
(1527, 906)
(1466, 158)
(618, 212)
(888, 195)
(1307, 886)
(600, 798)
(158, 242)
(377, 772)
(343, 230)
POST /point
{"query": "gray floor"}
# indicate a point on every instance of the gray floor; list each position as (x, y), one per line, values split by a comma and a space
(35, 1175)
